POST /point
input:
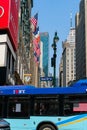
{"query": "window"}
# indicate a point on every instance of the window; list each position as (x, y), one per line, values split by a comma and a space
(1, 106)
(9, 58)
(18, 107)
(79, 103)
(46, 106)
(12, 65)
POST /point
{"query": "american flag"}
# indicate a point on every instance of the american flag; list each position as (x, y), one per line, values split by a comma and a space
(36, 34)
(34, 19)
(36, 31)
(36, 58)
(35, 42)
(80, 107)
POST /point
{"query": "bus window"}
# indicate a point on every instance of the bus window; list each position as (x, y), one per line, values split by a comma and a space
(1, 106)
(18, 107)
(68, 109)
(43, 109)
(76, 104)
(46, 106)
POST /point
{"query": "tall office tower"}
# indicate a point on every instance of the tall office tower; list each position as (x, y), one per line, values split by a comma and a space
(44, 37)
(81, 41)
(69, 59)
(44, 58)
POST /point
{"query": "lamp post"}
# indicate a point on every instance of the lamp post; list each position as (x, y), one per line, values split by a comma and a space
(53, 59)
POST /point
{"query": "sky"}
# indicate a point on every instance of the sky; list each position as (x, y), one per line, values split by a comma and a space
(54, 15)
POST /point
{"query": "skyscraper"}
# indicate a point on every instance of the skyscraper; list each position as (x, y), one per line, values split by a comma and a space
(44, 37)
(81, 41)
(69, 58)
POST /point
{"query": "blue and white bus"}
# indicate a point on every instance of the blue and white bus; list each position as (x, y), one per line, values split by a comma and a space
(30, 108)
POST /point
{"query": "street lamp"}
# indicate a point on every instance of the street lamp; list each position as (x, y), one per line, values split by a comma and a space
(53, 59)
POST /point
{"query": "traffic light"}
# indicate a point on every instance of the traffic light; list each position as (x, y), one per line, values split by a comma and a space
(52, 62)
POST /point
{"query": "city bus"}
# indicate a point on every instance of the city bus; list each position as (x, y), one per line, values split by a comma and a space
(29, 108)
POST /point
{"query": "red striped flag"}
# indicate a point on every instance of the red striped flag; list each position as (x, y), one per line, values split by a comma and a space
(35, 43)
(34, 21)
(38, 52)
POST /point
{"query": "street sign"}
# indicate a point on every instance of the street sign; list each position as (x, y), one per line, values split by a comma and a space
(46, 78)
(27, 78)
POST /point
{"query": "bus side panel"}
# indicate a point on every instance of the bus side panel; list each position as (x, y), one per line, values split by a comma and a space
(85, 124)
(77, 122)
(21, 124)
(62, 123)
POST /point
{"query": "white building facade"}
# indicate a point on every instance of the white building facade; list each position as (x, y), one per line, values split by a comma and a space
(69, 59)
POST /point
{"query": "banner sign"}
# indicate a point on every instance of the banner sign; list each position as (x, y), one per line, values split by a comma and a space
(27, 78)
(9, 11)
